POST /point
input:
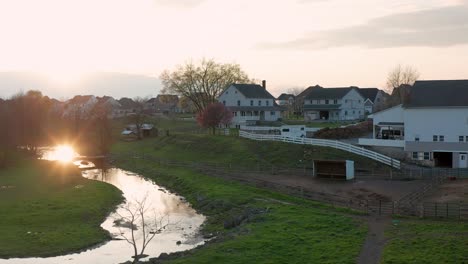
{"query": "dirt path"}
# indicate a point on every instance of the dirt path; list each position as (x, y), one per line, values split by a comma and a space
(372, 249)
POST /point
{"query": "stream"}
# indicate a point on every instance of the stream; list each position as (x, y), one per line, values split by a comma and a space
(181, 232)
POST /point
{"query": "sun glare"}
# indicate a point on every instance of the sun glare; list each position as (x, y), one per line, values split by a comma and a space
(63, 153)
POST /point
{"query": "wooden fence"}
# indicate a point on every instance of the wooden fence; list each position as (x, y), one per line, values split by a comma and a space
(326, 143)
(409, 205)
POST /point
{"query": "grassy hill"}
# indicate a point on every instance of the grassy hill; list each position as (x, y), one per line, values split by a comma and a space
(48, 208)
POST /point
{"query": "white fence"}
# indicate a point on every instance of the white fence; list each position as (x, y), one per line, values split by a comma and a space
(325, 143)
(381, 142)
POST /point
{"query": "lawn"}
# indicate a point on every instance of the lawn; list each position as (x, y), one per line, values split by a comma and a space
(424, 241)
(277, 228)
(238, 151)
(47, 208)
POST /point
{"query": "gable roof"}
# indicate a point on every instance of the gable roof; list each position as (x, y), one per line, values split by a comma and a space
(437, 93)
(253, 91)
(127, 103)
(285, 96)
(306, 92)
(369, 93)
(328, 93)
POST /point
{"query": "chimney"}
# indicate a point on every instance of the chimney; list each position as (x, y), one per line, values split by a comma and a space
(264, 84)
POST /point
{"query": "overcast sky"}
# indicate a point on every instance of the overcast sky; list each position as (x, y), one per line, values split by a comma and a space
(290, 43)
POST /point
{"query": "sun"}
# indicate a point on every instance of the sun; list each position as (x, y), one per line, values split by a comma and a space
(63, 153)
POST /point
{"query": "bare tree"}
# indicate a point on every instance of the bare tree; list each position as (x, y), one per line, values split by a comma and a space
(202, 83)
(399, 83)
(402, 75)
(139, 116)
(143, 226)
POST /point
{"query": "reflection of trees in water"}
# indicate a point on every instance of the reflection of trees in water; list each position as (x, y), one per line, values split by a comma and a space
(175, 204)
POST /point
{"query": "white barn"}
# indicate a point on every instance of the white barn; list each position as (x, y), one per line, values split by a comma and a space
(431, 126)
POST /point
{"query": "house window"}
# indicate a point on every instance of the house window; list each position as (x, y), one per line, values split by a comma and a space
(434, 138)
(224, 102)
(235, 91)
(345, 112)
(466, 139)
(441, 138)
(359, 101)
(415, 155)
(346, 100)
(335, 101)
(267, 103)
(416, 139)
(227, 92)
(273, 113)
(238, 102)
(242, 113)
(427, 156)
(359, 111)
(461, 138)
(259, 103)
(326, 101)
(251, 102)
(354, 112)
(235, 113)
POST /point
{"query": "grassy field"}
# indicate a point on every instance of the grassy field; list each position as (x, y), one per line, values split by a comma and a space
(424, 241)
(276, 228)
(238, 151)
(47, 208)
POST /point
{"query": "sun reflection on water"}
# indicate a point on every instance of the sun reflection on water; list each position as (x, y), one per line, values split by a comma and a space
(62, 153)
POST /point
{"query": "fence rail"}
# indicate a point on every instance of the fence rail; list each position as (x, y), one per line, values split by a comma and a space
(326, 143)
(409, 207)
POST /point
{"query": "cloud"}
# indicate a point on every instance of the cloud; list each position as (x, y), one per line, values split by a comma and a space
(439, 27)
(179, 3)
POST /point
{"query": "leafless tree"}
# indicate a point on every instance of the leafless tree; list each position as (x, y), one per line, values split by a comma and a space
(139, 116)
(402, 75)
(202, 83)
(143, 224)
(399, 81)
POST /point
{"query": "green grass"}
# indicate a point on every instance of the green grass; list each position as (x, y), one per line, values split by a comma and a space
(238, 151)
(47, 208)
(424, 241)
(281, 229)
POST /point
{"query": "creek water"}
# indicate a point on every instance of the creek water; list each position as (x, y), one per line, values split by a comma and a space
(181, 222)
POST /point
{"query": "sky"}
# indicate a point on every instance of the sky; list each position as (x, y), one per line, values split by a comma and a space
(289, 43)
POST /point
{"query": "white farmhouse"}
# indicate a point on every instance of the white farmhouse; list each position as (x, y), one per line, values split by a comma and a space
(250, 103)
(374, 99)
(344, 103)
(431, 125)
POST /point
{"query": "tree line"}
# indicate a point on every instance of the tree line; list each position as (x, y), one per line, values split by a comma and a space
(31, 120)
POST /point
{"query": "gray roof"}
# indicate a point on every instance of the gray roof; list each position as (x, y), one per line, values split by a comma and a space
(128, 103)
(285, 96)
(253, 91)
(328, 93)
(369, 93)
(438, 93)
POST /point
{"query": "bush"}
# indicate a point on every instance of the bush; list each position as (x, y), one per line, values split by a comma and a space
(354, 131)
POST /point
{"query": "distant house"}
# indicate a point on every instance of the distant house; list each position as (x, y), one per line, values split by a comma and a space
(431, 125)
(374, 99)
(285, 99)
(343, 103)
(111, 104)
(80, 105)
(127, 107)
(250, 103)
(163, 104)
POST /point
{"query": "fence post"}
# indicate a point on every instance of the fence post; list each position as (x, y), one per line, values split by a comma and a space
(380, 207)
